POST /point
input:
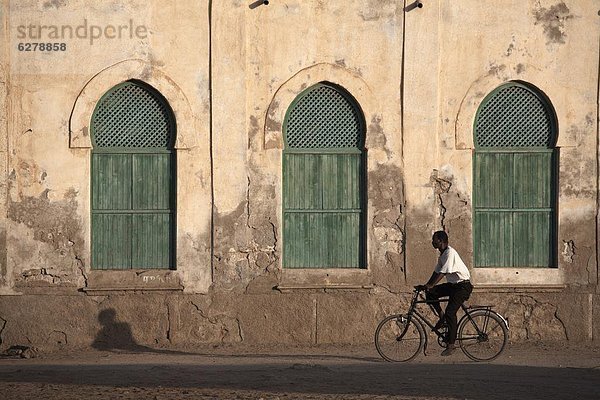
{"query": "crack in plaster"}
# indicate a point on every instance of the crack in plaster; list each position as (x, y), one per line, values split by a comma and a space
(248, 205)
(43, 272)
(3, 323)
(387, 289)
(81, 268)
(441, 187)
(239, 326)
(529, 308)
(274, 228)
(562, 323)
(168, 333)
(215, 321)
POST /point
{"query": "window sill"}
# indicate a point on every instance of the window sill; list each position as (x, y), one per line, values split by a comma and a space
(324, 279)
(518, 278)
(105, 281)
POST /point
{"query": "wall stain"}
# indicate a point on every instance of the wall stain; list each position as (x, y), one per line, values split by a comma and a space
(55, 224)
(387, 223)
(553, 21)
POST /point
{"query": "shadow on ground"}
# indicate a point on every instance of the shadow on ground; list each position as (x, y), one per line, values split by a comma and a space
(472, 381)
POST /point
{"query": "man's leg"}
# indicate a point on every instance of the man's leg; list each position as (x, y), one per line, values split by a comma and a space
(459, 294)
(434, 294)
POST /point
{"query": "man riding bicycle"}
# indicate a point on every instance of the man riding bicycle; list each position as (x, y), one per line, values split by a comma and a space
(458, 286)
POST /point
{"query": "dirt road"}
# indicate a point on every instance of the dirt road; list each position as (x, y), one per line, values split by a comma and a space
(532, 371)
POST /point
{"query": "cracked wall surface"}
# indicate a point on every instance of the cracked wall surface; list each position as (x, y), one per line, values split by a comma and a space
(48, 137)
(4, 90)
(419, 77)
(248, 225)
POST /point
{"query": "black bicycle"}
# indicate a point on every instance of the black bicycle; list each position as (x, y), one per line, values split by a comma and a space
(482, 332)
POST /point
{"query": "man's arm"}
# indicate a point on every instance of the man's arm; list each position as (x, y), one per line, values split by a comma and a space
(435, 278)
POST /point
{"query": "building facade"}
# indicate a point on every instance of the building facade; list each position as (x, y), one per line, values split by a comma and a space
(234, 171)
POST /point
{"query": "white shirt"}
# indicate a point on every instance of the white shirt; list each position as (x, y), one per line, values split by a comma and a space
(452, 266)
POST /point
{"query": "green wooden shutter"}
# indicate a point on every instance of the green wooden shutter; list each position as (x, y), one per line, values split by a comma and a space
(514, 180)
(323, 175)
(132, 179)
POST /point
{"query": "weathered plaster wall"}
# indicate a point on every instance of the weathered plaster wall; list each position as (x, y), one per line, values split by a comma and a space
(260, 64)
(418, 74)
(476, 48)
(4, 83)
(52, 97)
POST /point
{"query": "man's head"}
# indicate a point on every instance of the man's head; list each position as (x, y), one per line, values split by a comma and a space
(440, 240)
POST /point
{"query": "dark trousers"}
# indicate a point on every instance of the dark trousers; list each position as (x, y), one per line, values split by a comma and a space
(458, 293)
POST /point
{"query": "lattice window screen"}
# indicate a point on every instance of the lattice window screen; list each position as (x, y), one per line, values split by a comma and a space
(131, 115)
(514, 117)
(324, 118)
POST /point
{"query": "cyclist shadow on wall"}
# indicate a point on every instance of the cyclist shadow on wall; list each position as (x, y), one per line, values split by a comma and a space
(117, 336)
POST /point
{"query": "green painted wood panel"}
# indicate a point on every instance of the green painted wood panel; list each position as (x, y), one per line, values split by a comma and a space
(493, 180)
(152, 181)
(514, 209)
(322, 210)
(322, 240)
(532, 186)
(493, 239)
(111, 181)
(532, 239)
(152, 237)
(111, 238)
(132, 207)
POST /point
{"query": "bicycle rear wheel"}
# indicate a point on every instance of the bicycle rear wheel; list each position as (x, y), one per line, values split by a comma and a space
(484, 337)
(397, 339)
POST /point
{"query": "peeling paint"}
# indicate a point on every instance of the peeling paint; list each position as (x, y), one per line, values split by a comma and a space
(55, 224)
(452, 202)
(495, 70)
(375, 10)
(553, 21)
(387, 200)
(254, 130)
(55, 4)
(568, 251)
(376, 135)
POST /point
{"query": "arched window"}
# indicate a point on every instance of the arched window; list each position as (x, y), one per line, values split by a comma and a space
(324, 180)
(514, 182)
(133, 179)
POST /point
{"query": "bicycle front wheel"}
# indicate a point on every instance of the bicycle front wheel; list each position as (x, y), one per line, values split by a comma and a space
(483, 337)
(398, 339)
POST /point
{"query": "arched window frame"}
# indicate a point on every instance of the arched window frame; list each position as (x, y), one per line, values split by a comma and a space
(143, 246)
(520, 239)
(357, 258)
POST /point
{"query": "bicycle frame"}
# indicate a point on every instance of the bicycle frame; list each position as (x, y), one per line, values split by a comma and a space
(420, 318)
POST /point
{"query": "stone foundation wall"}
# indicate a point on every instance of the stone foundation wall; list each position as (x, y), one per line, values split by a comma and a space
(119, 321)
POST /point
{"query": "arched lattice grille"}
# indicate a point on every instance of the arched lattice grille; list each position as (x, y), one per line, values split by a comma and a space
(514, 116)
(324, 117)
(132, 115)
